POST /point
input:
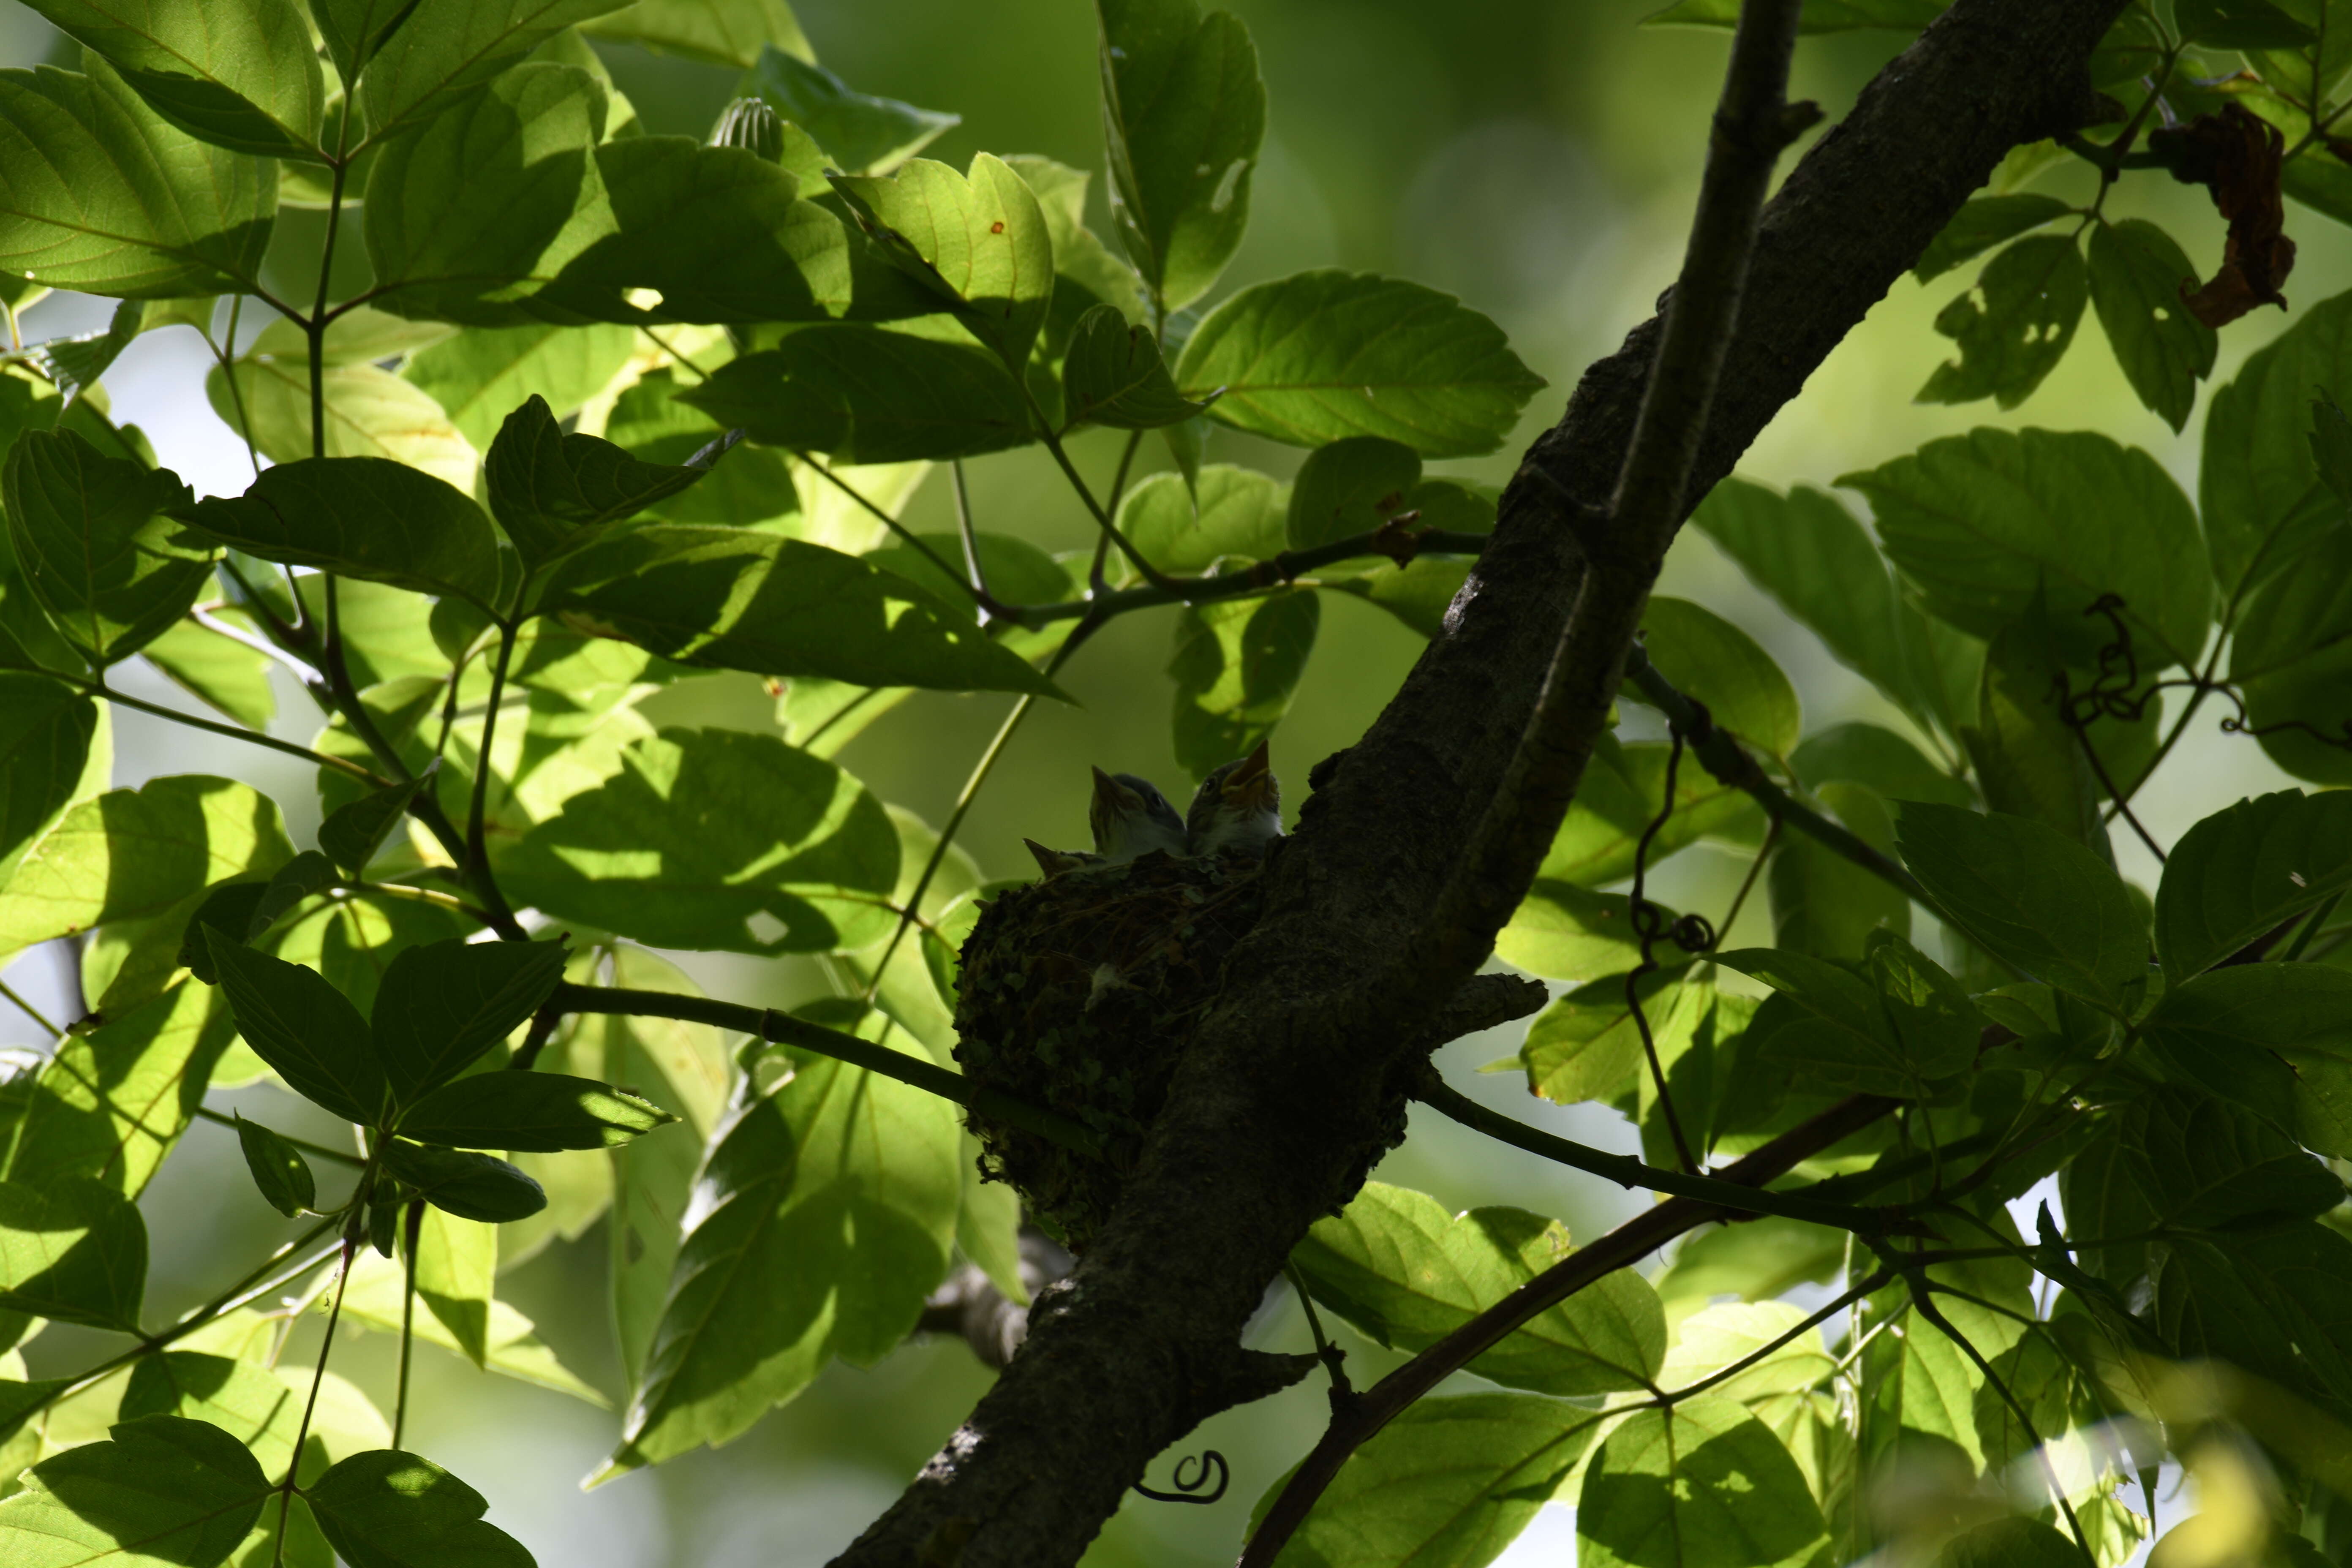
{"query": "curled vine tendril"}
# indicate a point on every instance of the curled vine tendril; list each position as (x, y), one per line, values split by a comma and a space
(2111, 695)
(1189, 1491)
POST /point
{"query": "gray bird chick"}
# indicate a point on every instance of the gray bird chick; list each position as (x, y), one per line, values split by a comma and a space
(1131, 818)
(1237, 809)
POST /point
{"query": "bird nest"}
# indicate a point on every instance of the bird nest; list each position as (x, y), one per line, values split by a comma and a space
(1078, 995)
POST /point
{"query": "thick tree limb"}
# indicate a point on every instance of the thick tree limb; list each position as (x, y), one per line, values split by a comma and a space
(1280, 1095)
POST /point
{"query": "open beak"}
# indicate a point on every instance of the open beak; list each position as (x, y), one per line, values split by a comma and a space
(1251, 785)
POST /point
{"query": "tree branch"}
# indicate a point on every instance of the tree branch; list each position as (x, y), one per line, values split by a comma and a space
(1281, 1095)
(1621, 1248)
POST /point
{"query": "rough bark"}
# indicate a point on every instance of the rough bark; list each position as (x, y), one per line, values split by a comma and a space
(1280, 1092)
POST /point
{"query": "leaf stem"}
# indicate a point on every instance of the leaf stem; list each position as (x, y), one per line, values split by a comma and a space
(340, 1157)
(1263, 576)
(1150, 573)
(768, 1023)
(1675, 1396)
(235, 732)
(10, 994)
(414, 1229)
(1628, 1171)
(905, 534)
(302, 1432)
(970, 540)
(476, 863)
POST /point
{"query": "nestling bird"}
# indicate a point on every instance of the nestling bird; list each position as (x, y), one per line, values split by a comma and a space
(1237, 809)
(1054, 862)
(1131, 818)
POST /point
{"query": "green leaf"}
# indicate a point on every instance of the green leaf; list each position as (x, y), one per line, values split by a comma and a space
(2246, 869)
(1623, 788)
(2257, 488)
(1586, 1046)
(370, 413)
(443, 1004)
(1183, 113)
(730, 598)
(2210, 1165)
(1711, 659)
(547, 488)
(303, 1027)
(865, 135)
(1562, 932)
(456, 1273)
(74, 363)
(140, 855)
(247, 81)
(73, 1250)
(1319, 356)
(368, 517)
(471, 1186)
(353, 834)
(424, 62)
(1405, 1274)
(2010, 1543)
(863, 395)
(531, 1111)
(717, 234)
(1089, 274)
(2030, 762)
(1348, 488)
(390, 1509)
(1982, 223)
(822, 1215)
(1236, 665)
(717, 840)
(94, 545)
(277, 1169)
(231, 676)
(1184, 528)
(1823, 903)
(375, 1298)
(2137, 270)
(1717, 1337)
(353, 30)
(101, 194)
(1982, 522)
(110, 1104)
(713, 32)
(1701, 1482)
(1904, 1027)
(1809, 553)
(1451, 1480)
(1113, 375)
(1757, 1259)
(45, 729)
(2015, 326)
(259, 1409)
(1419, 592)
(977, 242)
(2274, 1037)
(753, 486)
(2033, 898)
(481, 374)
(2240, 25)
(2291, 658)
(164, 1491)
(492, 200)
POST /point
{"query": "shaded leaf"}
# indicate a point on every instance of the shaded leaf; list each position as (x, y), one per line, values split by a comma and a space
(478, 375)
(103, 196)
(303, 1027)
(2244, 870)
(390, 1509)
(94, 543)
(1398, 1268)
(2137, 270)
(369, 517)
(865, 135)
(443, 1004)
(471, 1186)
(247, 80)
(865, 395)
(427, 58)
(1184, 528)
(531, 1111)
(75, 1251)
(714, 32)
(2208, 1164)
(1236, 665)
(978, 242)
(547, 488)
(165, 1489)
(733, 599)
(2274, 1038)
(1317, 356)
(1113, 375)
(2045, 904)
(1710, 658)
(110, 1104)
(277, 1169)
(1702, 1481)
(1982, 223)
(2015, 326)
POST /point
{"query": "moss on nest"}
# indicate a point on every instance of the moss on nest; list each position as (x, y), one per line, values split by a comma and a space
(1078, 994)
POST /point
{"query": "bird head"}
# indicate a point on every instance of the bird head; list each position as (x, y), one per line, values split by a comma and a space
(1054, 862)
(1131, 818)
(1238, 807)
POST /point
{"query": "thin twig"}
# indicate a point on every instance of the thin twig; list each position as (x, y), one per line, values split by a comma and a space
(782, 1028)
(1629, 1171)
(1330, 1355)
(1150, 573)
(9, 994)
(476, 854)
(286, 1488)
(1621, 1247)
(1644, 918)
(905, 534)
(235, 732)
(415, 1227)
(1675, 1396)
(963, 526)
(341, 1157)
